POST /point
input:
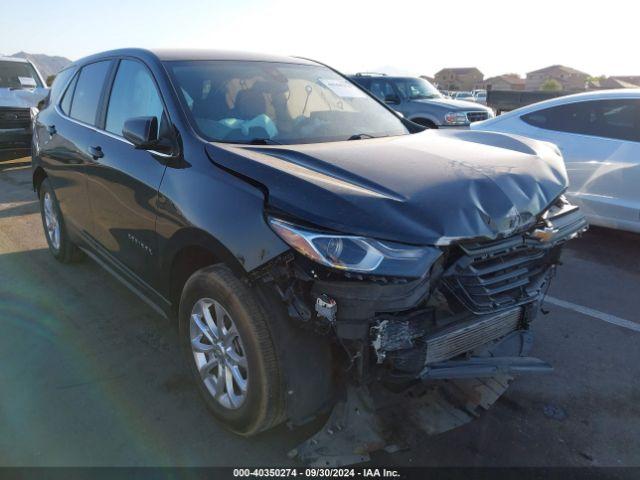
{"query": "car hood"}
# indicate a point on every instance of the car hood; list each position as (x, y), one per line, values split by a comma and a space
(21, 98)
(452, 104)
(430, 188)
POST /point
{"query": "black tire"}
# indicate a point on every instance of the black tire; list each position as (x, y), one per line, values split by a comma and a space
(425, 123)
(66, 251)
(263, 407)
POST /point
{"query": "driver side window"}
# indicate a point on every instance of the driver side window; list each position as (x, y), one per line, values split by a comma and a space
(134, 94)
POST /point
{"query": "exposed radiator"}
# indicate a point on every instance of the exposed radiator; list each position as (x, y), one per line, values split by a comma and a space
(460, 338)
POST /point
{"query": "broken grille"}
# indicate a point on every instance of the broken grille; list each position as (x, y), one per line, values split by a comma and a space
(497, 275)
(477, 116)
(459, 339)
(15, 117)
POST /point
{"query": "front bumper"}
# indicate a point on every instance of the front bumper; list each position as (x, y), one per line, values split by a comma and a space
(15, 139)
(482, 294)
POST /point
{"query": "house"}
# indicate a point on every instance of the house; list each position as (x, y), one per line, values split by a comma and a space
(633, 80)
(569, 78)
(508, 81)
(460, 78)
(429, 79)
(605, 83)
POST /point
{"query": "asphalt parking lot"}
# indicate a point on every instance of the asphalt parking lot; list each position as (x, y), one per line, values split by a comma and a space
(91, 375)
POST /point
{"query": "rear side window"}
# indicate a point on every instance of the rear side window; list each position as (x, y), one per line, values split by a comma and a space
(134, 94)
(617, 119)
(65, 104)
(59, 84)
(382, 88)
(88, 89)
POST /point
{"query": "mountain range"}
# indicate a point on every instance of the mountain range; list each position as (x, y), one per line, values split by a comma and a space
(47, 65)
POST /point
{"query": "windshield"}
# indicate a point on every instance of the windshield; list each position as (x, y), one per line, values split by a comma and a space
(18, 75)
(248, 101)
(417, 88)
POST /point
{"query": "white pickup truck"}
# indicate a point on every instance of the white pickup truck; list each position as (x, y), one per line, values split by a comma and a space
(21, 89)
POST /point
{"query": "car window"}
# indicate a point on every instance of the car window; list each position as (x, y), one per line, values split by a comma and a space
(88, 90)
(59, 84)
(65, 104)
(134, 94)
(617, 119)
(18, 75)
(277, 102)
(417, 89)
(382, 88)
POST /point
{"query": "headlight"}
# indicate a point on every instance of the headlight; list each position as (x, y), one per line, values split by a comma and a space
(357, 254)
(456, 118)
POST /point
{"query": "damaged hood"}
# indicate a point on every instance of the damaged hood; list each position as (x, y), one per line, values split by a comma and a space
(429, 188)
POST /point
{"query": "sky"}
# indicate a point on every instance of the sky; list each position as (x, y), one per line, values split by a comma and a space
(408, 37)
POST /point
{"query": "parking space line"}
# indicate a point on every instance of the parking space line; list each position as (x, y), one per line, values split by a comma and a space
(605, 317)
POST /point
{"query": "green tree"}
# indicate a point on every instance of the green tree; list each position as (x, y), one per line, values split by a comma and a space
(551, 85)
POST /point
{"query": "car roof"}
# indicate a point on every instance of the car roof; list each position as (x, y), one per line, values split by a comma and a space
(195, 54)
(13, 59)
(620, 93)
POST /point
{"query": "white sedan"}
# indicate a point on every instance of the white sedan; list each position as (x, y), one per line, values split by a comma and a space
(598, 134)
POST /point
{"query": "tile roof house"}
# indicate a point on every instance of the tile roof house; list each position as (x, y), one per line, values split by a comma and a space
(616, 81)
(569, 78)
(508, 81)
(469, 78)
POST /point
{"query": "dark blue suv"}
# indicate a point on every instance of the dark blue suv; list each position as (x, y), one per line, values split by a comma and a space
(309, 241)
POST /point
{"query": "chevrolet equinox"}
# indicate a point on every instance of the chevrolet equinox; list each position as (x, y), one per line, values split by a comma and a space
(306, 237)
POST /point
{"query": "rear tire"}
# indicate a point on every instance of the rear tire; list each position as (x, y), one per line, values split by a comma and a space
(251, 357)
(55, 231)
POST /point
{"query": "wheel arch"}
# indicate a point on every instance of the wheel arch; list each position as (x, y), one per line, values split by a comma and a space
(189, 250)
(38, 177)
(425, 121)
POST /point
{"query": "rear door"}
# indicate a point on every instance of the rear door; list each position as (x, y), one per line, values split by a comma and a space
(66, 131)
(123, 182)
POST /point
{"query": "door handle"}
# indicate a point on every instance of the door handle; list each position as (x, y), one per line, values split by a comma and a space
(51, 129)
(96, 152)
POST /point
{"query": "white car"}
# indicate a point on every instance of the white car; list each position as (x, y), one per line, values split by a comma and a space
(598, 134)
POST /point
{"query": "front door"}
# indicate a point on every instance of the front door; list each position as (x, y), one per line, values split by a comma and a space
(123, 182)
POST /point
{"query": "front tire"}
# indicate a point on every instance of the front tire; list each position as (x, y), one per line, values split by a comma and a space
(60, 246)
(228, 346)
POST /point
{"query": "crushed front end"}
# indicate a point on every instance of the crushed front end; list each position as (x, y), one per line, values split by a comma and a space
(467, 317)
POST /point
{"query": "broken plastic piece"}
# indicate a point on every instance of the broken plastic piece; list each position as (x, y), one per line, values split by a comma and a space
(326, 308)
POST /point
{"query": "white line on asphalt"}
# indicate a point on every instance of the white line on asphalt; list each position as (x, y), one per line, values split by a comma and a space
(605, 317)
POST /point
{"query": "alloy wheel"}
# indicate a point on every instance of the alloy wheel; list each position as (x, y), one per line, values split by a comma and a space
(219, 353)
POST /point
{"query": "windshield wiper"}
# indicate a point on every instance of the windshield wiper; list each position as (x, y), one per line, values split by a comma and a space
(360, 136)
(263, 141)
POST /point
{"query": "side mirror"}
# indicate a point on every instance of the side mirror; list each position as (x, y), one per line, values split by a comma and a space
(141, 131)
(392, 99)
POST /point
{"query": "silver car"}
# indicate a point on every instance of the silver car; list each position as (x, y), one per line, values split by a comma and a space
(421, 102)
(598, 133)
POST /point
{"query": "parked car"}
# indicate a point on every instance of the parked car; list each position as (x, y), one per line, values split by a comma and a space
(21, 88)
(421, 102)
(307, 238)
(598, 134)
(463, 96)
(480, 96)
